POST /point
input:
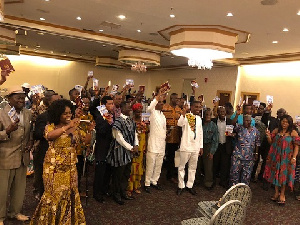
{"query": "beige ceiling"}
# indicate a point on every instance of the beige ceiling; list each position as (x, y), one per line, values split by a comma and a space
(264, 22)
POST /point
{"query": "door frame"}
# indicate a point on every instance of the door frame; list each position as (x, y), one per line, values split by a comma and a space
(250, 93)
(226, 92)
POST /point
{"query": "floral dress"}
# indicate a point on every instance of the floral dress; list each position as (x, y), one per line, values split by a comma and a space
(137, 167)
(279, 170)
(60, 203)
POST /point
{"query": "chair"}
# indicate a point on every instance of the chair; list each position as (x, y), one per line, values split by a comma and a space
(230, 213)
(241, 192)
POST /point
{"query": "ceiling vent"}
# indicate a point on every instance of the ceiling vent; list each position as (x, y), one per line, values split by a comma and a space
(269, 2)
(110, 24)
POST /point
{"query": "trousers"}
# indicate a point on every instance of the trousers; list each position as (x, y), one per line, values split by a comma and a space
(154, 163)
(13, 183)
(191, 158)
(240, 170)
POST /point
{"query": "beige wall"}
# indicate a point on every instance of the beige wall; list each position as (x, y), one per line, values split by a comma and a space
(62, 78)
(218, 79)
(281, 80)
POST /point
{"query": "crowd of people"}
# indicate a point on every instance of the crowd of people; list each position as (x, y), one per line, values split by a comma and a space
(128, 138)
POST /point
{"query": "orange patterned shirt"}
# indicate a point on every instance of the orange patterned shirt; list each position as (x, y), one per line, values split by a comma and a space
(172, 115)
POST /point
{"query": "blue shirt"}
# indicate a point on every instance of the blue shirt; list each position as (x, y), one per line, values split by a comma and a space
(240, 119)
(246, 141)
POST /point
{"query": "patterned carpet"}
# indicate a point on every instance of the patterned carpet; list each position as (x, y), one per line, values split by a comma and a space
(165, 207)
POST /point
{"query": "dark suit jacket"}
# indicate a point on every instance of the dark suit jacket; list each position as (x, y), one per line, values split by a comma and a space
(229, 140)
(274, 122)
(38, 134)
(103, 138)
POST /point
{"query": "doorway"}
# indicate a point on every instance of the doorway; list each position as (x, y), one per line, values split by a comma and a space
(250, 97)
(225, 96)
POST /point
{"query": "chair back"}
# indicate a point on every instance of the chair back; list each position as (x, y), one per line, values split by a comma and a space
(240, 191)
(232, 212)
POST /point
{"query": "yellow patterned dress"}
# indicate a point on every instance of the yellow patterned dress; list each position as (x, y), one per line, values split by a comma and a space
(137, 167)
(60, 203)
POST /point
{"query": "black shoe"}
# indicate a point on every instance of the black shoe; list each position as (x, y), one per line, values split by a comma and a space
(209, 188)
(192, 191)
(99, 199)
(179, 191)
(119, 201)
(147, 189)
(127, 197)
(157, 187)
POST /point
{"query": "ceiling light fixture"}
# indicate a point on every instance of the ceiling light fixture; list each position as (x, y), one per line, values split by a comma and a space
(139, 31)
(101, 30)
(78, 18)
(229, 14)
(42, 18)
(285, 30)
(274, 42)
(122, 17)
(298, 13)
(172, 16)
(196, 44)
(139, 60)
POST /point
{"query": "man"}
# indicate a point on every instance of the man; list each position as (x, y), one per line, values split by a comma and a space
(172, 113)
(270, 121)
(74, 94)
(41, 145)
(124, 145)
(117, 101)
(15, 133)
(191, 146)
(245, 152)
(237, 117)
(221, 160)
(26, 89)
(262, 151)
(103, 171)
(210, 145)
(229, 109)
(156, 143)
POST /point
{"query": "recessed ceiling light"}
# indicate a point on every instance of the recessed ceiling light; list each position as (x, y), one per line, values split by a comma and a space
(104, 45)
(172, 16)
(37, 46)
(42, 18)
(40, 33)
(172, 57)
(139, 31)
(101, 30)
(298, 13)
(64, 55)
(78, 18)
(229, 14)
(51, 52)
(274, 42)
(285, 30)
(47, 0)
(122, 17)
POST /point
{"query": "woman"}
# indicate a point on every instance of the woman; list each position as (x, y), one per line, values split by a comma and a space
(281, 160)
(60, 203)
(137, 168)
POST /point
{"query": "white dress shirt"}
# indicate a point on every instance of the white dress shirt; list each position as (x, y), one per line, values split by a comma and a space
(158, 129)
(188, 141)
(222, 129)
(120, 139)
